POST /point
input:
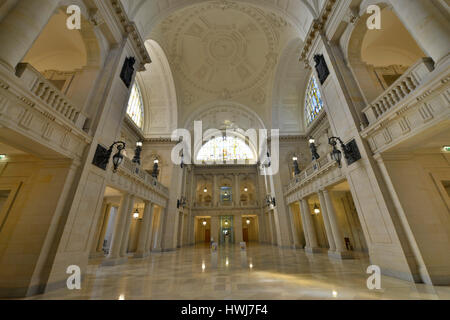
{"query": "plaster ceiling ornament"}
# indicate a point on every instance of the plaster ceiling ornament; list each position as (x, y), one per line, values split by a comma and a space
(222, 55)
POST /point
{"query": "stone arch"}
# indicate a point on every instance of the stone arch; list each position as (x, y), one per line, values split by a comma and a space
(158, 93)
(369, 69)
(288, 92)
(147, 14)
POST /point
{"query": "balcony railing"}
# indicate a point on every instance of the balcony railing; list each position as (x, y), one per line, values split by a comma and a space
(245, 204)
(51, 96)
(399, 90)
(134, 169)
(310, 171)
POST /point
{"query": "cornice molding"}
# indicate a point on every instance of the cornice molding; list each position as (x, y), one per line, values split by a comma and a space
(129, 28)
(316, 28)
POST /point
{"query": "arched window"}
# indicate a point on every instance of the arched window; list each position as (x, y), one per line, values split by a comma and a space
(225, 149)
(313, 101)
(135, 109)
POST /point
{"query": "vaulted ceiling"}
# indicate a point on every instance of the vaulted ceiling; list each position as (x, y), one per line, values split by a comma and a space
(228, 51)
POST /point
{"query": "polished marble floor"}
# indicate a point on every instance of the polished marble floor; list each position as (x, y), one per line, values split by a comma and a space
(260, 272)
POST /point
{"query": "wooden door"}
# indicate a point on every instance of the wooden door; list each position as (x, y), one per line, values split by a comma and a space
(207, 235)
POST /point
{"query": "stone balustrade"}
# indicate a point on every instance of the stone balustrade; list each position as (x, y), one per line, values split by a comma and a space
(309, 172)
(133, 169)
(50, 95)
(399, 90)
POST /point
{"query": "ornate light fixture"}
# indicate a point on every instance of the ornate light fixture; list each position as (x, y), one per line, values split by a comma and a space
(245, 189)
(205, 190)
(102, 156)
(271, 202)
(181, 203)
(204, 222)
(2, 156)
(248, 221)
(155, 171)
(137, 153)
(316, 209)
(136, 215)
(226, 222)
(351, 151)
(312, 146)
(296, 167)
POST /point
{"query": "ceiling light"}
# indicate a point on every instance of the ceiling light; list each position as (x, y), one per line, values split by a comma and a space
(226, 222)
(205, 190)
(136, 214)
(248, 221)
(245, 189)
(204, 222)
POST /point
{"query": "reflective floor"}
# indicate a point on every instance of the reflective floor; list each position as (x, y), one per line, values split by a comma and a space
(260, 272)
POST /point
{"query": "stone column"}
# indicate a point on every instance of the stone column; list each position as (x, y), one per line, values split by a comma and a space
(104, 227)
(326, 221)
(215, 228)
(21, 27)
(341, 250)
(238, 228)
(141, 250)
(181, 228)
(159, 235)
(293, 228)
(126, 232)
(148, 243)
(427, 25)
(305, 229)
(313, 244)
(237, 193)
(119, 227)
(215, 192)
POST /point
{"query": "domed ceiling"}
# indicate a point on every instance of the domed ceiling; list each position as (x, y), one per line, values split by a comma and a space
(224, 51)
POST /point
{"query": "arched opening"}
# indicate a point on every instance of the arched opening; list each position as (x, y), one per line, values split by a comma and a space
(69, 59)
(226, 149)
(379, 57)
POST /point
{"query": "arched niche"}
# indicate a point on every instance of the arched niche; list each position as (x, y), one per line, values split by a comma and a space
(379, 57)
(289, 91)
(158, 94)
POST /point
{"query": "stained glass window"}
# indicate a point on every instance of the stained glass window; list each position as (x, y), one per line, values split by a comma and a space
(225, 149)
(135, 109)
(313, 102)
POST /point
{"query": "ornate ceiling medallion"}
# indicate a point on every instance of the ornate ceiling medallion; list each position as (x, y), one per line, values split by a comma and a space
(224, 55)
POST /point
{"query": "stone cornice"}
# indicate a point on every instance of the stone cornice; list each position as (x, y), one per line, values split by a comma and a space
(317, 26)
(129, 27)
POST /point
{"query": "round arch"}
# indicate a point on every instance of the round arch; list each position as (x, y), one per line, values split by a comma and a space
(147, 14)
(158, 94)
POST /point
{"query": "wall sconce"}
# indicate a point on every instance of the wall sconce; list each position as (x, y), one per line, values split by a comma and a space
(270, 201)
(204, 222)
(137, 153)
(351, 151)
(312, 146)
(296, 167)
(136, 215)
(102, 156)
(155, 169)
(316, 209)
(181, 203)
(248, 221)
